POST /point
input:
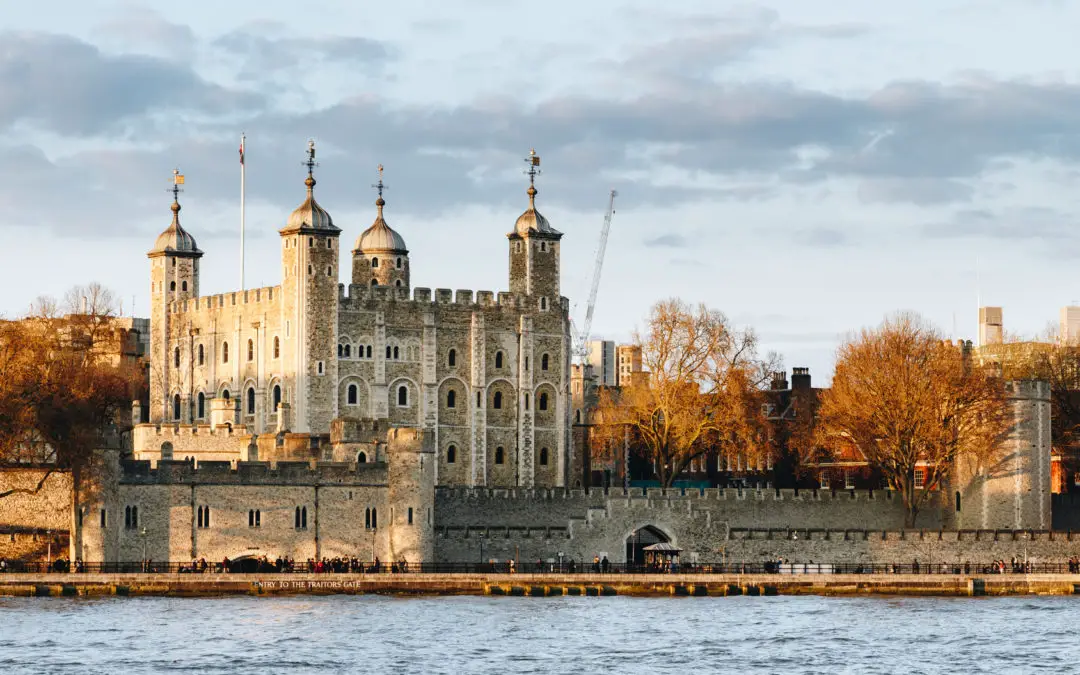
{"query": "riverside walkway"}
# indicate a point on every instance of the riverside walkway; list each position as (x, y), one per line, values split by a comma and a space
(535, 585)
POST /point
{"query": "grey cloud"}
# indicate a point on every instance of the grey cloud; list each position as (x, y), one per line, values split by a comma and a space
(670, 240)
(822, 237)
(1014, 224)
(61, 84)
(921, 191)
(144, 29)
(265, 54)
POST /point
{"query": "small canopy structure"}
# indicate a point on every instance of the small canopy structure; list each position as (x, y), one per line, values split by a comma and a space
(661, 555)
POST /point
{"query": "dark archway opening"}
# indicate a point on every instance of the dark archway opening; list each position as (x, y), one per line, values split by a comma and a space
(642, 537)
(246, 565)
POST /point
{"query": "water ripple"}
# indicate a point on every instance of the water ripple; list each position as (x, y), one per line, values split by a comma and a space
(460, 635)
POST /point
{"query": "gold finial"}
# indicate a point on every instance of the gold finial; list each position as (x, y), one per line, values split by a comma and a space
(178, 180)
(310, 164)
(533, 160)
(379, 187)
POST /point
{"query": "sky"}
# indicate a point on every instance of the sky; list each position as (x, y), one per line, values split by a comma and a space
(805, 166)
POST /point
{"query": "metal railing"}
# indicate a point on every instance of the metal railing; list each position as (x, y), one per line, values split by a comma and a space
(356, 566)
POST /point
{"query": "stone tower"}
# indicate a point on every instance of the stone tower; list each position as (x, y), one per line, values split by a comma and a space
(174, 276)
(1013, 492)
(411, 478)
(309, 260)
(380, 257)
(534, 251)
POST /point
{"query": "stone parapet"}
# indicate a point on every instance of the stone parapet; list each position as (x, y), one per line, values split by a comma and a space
(305, 474)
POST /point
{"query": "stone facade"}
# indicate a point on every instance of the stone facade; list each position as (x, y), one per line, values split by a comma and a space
(487, 374)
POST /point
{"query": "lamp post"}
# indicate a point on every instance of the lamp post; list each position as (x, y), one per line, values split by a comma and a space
(142, 536)
(373, 531)
(560, 562)
(48, 555)
(481, 535)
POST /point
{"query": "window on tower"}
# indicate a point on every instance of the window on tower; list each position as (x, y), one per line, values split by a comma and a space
(202, 355)
(277, 347)
(183, 285)
(451, 358)
(224, 352)
(399, 263)
(374, 262)
(172, 285)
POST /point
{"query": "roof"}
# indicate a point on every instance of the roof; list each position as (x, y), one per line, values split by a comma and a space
(532, 221)
(309, 216)
(380, 236)
(175, 239)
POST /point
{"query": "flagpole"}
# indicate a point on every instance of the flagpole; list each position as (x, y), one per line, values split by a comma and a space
(243, 190)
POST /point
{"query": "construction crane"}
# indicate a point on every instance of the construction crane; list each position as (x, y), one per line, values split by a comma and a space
(581, 338)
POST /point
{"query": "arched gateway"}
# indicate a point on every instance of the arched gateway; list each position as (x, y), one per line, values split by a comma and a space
(639, 539)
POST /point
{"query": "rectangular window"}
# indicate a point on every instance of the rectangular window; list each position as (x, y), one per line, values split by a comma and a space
(823, 480)
(104, 519)
(920, 478)
(849, 480)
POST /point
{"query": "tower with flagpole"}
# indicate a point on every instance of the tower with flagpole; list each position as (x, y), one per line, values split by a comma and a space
(243, 191)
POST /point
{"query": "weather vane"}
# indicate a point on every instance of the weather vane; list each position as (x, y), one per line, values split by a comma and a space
(379, 186)
(311, 163)
(178, 180)
(533, 160)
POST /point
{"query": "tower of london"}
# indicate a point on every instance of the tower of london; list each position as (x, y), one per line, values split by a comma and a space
(263, 373)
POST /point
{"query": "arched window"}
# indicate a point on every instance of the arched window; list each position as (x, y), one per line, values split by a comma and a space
(303, 517)
(399, 263)
(398, 283)
(183, 285)
(348, 351)
(351, 395)
(176, 357)
(201, 399)
(374, 282)
(251, 400)
(526, 399)
(254, 518)
(224, 352)
(403, 395)
(410, 515)
(498, 359)
(225, 394)
(176, 407)
(361, 458)
(340, 350)
(544, 362)
(500, 455)
(451, 454)
(396, 356)
(543, 456)
(172, 285)
(369, 351)
(543, 304)
(277, 347)
(542, 402)
(311, 242)
(496, 400)
(451, 399)
(367, 518)
(577, 417)
(374, 262)
(388, 352)
(251, 350)
(451, 358)
(374, 518)
(200, 517)
(202, 355)
(277, 396)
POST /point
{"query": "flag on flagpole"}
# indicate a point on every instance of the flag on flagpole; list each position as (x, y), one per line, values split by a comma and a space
(241, 149)
(178, 179)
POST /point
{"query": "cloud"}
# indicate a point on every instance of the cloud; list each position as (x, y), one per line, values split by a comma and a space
(63, 85)
(1011, 224)
(265, 54)
(145, 30)
(670, 240)
(823, 237)
(921, 191)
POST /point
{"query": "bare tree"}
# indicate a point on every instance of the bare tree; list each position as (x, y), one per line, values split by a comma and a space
(63, 386)
(906, 399)
(702, 394)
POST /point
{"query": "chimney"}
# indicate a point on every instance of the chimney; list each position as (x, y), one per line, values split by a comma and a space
(779, 381)
(800, 379)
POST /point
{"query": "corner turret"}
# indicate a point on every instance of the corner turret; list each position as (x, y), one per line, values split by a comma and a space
(534, 250)
(380, 257)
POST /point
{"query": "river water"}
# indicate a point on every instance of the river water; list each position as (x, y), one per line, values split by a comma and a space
(460, 635)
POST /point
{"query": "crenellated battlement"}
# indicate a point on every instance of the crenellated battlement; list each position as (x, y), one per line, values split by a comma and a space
(361, 297)
(670, 495)
(210, 303)
(165, 432)
(177, 472)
